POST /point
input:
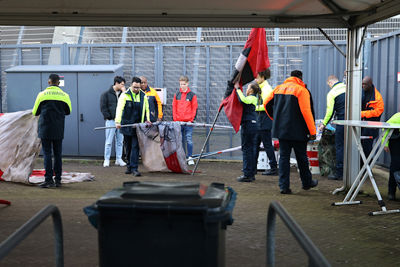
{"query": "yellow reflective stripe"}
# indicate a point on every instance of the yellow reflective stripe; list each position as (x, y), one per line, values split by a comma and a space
(51, 93)
(394, 119)
(336, 90)
(330, 103)
(120, 107)
(145, 110)
(247, 99)
(266, 89)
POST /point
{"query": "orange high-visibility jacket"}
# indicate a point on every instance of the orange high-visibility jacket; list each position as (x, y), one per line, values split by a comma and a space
(289, 107)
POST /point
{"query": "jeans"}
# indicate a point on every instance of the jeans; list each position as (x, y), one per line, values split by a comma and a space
(339, 146)
(187, 138)
(48, 146)
(300, 150)
(133, 143)
(264, 136)
(119, 139)
(248, 136)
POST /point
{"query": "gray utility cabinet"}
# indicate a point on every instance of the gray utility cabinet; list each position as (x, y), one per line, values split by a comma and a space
(83, 83)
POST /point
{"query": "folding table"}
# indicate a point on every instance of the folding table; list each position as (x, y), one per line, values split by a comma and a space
(369, 162)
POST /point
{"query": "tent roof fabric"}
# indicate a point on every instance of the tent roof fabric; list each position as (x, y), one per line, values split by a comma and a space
(206, 13)
(64, 68)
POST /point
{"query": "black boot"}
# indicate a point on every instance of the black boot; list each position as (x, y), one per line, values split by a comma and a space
(128, 170)
(47, 184)
(272, 171)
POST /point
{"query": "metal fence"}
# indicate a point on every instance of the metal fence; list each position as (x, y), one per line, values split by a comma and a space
(383, 66)
(208, 66)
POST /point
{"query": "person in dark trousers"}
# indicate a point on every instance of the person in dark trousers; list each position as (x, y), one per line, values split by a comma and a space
(155, 105)
(264, 123)
(108, 105)
(248, 131)
(184, 108)
(132, 107)
(289, 105)
(52, 105)
(372, 107)
(393, 146)
(335, 107)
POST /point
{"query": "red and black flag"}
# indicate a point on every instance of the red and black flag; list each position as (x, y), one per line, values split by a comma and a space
(252, 60)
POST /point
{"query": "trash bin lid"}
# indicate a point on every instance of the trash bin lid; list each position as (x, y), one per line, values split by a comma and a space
(167, 194)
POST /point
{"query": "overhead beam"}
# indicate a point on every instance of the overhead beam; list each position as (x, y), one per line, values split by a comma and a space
(335, 8)
(384, 10)
(208, 20)
(332, 42)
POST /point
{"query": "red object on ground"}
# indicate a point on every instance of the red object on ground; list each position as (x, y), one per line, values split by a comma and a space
(173, 163)
(38, 173)
(5, 202)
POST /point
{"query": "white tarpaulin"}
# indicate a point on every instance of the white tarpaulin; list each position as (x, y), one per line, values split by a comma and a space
(19, 147)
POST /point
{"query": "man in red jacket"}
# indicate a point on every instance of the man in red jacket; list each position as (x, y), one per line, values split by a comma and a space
(184, 108)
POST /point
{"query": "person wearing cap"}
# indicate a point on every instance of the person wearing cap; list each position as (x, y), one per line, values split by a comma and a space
(289, 106)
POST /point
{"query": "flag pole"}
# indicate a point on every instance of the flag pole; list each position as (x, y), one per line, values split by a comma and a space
(206, 141)
(234, 80)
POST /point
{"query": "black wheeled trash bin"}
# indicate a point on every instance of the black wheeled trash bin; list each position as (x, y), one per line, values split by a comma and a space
(164, 224)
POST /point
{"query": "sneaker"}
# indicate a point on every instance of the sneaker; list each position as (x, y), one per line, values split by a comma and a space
(120, 162)
(47, 185)
(190, 161)
(57, 182)
(244, 179)
(273, 171)
(314, 183)
(106, 163)
(334, 177)
(286, 191)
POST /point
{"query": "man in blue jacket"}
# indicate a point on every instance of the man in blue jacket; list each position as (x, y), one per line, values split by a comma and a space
(52, 105)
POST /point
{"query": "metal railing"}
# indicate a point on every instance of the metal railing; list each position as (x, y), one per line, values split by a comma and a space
(316, 258)
(18, 236)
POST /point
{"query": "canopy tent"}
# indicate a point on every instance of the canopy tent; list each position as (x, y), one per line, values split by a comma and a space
(222, 13)
(350, 14)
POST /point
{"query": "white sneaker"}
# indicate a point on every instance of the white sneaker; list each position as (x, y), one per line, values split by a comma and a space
(120, 162)
(106, 163)
(190, 161)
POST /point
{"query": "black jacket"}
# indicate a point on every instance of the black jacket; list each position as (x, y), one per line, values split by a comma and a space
(108, 104)
(52, 105)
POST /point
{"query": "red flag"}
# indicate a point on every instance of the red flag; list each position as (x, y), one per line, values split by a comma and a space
(252, 60)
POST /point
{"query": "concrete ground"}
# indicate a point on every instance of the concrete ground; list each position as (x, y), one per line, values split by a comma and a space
(346, 235)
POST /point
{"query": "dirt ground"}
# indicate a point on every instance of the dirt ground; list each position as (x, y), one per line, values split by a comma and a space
(346, 235)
